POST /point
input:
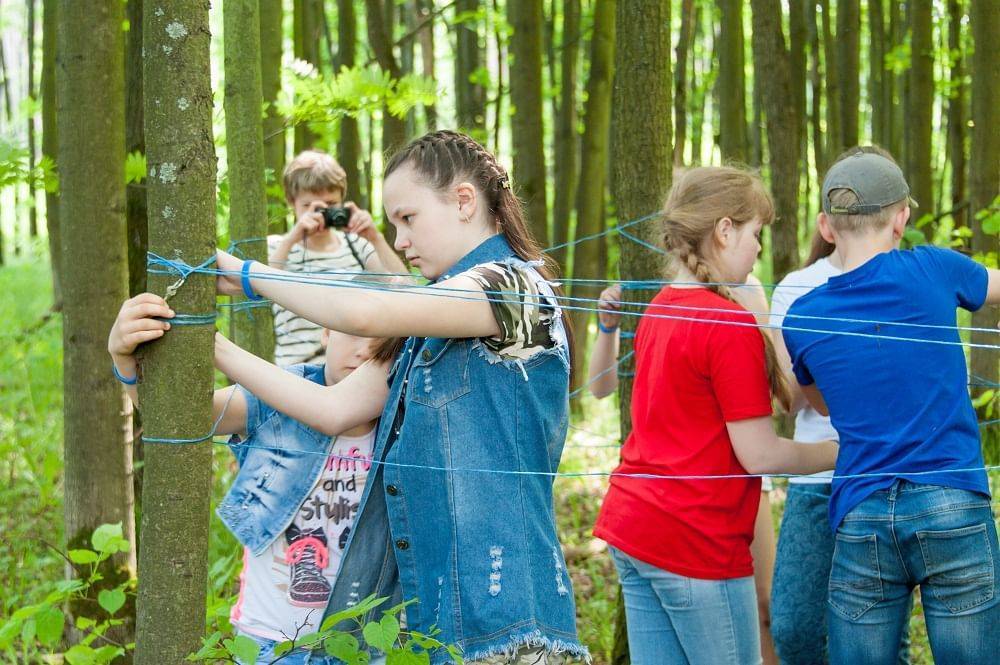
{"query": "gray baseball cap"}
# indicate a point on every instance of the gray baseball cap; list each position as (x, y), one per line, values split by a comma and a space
(875, 180)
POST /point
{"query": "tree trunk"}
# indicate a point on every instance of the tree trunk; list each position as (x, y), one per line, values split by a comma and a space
(498, 39)
(797, 37)
(897, 84)
(957, 114)
(984, 183)
(527, 124)
(848, 45)
(702, 73)
(97, 454)
(772, 69)
(135, 141)
(731, 84)
(833, 115)
(876, 71)
(349, 143)
(380, 39)
(641, 144)
(306, 40)
(30, 121)
(252, 329)
(567, 137)
(587, 262)
(680, 79)
(176, 372)
(50, 142)
(470, 97)
(425, 11)
(816, 87)
(271, 37)
(920, 111)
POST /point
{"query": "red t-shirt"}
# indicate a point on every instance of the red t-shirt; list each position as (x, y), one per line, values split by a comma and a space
(693, 374)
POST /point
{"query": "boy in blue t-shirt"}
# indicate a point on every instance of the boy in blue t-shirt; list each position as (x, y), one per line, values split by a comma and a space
(877, 346)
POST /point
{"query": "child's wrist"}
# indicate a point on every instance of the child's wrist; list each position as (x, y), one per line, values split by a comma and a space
(607, 330)
(127, 378)
(245, 281)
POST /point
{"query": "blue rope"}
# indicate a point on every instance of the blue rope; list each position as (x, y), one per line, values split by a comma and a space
(601, 373)
(210, 435)
(641, 242)
(614, 229)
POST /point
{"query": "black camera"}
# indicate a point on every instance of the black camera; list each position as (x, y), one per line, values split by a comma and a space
(336, 217)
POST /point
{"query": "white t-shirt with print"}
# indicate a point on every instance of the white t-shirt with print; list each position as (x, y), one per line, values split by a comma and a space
(285, 589)
(810, 426)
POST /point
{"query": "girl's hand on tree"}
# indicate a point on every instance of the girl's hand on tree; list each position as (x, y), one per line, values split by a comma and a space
(136, 324)
(361, 222)
(228, 283)
(609, 306)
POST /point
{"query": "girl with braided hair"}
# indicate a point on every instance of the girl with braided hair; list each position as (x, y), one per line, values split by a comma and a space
(457, 514)
(701, 407)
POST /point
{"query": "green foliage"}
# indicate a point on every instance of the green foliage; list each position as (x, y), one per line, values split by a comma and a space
(898, 59)
(14, 168)
(135, 167)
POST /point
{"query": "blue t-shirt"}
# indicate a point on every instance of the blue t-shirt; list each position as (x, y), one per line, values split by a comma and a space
(901, 407)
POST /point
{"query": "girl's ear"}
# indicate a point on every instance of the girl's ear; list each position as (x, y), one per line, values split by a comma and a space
(467, 201)
(825, 228)
(724, 228)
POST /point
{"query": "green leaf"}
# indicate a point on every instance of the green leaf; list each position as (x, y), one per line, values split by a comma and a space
(79, 654)
(282, 648)
(135, 167)
(83, 557)
(111, 600)
(382, 635)
(108, 653)
(107, 539)
(407, 657)
(365, 606)
(8, 632)
(83, 623)
(49, 624)
(28, 631)
(340, 645)
(243, 648)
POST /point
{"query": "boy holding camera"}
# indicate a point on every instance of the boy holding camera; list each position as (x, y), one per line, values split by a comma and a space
(330, 235)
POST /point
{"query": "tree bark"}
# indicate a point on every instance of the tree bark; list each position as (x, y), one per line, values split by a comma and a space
(733, 138)
(897, 86)
(50, 143)
(876, 72)
(833, 115)
(957, 114)
(349, 143)
(772, 69)
(307, 31)
(425, 11)
(567, 138)
(641, 144)
(380, 39)
(680, 79)
(797, 37)
(527, 124)
(920, 111)
(470, 97)
(252, 329)
(587, 262)
(816, 87)
(97, 455)
(271, 38)
(848, 49)
(984, 182)
(175, 373)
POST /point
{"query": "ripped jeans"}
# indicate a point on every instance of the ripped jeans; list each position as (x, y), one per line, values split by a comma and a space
(941, 539)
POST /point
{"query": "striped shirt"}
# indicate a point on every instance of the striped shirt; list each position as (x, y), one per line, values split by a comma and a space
(297, 340)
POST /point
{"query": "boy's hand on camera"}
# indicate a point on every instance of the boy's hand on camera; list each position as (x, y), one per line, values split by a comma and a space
(609, 306)
(309, 222)
(136, 323)
(361, 223)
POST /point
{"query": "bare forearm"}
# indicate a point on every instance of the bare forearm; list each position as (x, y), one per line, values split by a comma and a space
(603, 379)
(127, 367)
(805, 458)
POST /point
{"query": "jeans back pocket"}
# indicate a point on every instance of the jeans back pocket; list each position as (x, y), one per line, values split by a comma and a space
(959, 564)
(855, 577)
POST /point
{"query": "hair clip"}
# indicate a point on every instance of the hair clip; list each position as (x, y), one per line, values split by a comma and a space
(505, 182)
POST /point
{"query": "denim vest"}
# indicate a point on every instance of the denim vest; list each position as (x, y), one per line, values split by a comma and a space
(477, 550)
(276, 477)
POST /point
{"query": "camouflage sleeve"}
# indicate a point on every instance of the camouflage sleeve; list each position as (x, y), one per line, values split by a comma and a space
(523, 313)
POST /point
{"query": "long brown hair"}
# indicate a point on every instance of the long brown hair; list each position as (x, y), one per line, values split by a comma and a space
(445, 157)
(699, 198)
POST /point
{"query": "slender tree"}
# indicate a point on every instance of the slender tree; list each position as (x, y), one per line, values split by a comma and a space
(682, 52)
(527, 125)
(175, 373)
(50, 142)
(307, 32)
(349, 143)
(920, 111)
(271, 37)
(587, 262)
(470, 97)
(30, 120)
(833, 115)
(897, 85)
(848, 50)
(641, 143)
(97, 463)
(501, 66)
(380, 24)
(957, 113)
(984, 180)
(251, 329)
(702, 72)
(816, 89)
(135, 143)
(773, 70)
(877, 76)
(731, 84)
(425, 36)
(567, 138)
(798, 35)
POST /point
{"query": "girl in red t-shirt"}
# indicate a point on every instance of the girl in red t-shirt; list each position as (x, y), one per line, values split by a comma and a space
(701, 407)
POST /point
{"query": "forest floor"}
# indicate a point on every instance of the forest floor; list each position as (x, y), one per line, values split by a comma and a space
(31, 516)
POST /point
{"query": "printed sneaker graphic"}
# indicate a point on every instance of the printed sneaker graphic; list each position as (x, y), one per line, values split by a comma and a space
(307, 557)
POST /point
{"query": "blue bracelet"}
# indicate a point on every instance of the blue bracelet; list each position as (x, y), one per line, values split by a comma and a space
(245, 281)
(118, 375)
(600, 326)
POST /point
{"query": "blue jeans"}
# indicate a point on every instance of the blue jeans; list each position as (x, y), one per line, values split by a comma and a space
(941, 539)
(801, 576)
(677, 619)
